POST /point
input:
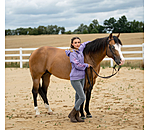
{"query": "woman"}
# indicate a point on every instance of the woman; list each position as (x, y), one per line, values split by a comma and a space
(77, 75)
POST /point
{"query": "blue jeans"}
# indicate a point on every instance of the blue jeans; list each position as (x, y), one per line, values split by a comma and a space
(78, 85)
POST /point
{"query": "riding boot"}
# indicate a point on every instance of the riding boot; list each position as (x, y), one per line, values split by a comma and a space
(69, 115)
(78, 118)
(72, 115)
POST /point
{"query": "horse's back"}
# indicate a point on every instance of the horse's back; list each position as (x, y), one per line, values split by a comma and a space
(52, 59)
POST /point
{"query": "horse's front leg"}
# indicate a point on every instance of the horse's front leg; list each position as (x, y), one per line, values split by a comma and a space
(81, 111)
(88, 96)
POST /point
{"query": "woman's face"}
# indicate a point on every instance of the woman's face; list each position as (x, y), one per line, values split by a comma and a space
(76, 43)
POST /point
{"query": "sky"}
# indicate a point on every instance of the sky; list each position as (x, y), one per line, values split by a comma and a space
(69, 13)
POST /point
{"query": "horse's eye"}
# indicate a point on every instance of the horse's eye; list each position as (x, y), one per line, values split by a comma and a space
(113, 47)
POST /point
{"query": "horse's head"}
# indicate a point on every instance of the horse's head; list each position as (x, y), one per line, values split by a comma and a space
(114, 49)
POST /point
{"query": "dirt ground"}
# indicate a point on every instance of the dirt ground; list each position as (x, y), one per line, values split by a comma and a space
(116, 103)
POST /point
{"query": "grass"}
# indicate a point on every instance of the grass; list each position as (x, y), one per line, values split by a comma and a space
(10, 116)
(103, 64)
(16, 65)
(12, 65)
(131, 64)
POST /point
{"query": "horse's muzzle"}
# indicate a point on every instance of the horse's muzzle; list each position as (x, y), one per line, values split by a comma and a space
(122, 62)
(119, 61)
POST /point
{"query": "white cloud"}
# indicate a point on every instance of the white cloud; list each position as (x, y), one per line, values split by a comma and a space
(68, 13)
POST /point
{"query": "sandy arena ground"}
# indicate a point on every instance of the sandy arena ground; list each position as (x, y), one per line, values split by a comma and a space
(116, 103)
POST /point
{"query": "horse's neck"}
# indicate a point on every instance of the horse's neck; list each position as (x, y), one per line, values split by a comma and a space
(98, 57)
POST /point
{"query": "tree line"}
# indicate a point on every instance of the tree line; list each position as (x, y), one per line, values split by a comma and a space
(50, 29)
(122, 25)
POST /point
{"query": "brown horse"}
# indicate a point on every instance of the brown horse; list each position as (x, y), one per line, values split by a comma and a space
(46, 61)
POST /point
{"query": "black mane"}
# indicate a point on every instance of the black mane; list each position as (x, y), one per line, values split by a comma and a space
(96, 45)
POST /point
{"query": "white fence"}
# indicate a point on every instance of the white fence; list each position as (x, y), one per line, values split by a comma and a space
(21, 60)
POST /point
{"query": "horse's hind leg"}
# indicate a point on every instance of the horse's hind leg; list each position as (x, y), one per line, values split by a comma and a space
(45, 84)
(35, 93)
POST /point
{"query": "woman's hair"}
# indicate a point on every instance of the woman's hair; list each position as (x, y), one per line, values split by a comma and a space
(73, 40)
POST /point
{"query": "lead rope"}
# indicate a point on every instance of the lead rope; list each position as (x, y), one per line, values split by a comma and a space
(114, 68)
(91, 85)
(91, 68)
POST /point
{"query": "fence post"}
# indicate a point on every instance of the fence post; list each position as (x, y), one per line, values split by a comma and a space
(111, 62)
(20, 57)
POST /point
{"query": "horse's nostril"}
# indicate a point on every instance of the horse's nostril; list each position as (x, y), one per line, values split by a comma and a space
(119, 62)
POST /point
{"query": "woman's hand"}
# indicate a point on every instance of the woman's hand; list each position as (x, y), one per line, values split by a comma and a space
(89, 65)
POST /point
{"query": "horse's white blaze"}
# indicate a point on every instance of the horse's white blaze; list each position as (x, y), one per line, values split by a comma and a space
(118, 48)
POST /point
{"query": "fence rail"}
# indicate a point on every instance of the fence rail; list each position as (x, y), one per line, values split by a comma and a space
(21, 60)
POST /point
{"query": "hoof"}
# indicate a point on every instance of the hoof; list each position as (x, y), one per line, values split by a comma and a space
(50, 113)
(89, 116)
(83, 117)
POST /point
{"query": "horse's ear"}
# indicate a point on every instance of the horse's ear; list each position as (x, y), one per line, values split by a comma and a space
(118, 35)
(110, 36)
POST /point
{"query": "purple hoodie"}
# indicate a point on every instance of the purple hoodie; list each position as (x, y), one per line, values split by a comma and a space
(77, 62)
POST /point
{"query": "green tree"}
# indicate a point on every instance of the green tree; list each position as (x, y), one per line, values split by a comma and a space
(21, 31)
(136, 26)
(122, 25)
(56, 29)
(85, 31)
(101, 29)
(95, 23)
(93, 27)
(94, 30)
(68, 32)
(90, 27)
(41, 30)
(49, 29)
(62, 29)
(52, 29)
(33, 31)
(81, 29)
(110, 24)
(8, 32)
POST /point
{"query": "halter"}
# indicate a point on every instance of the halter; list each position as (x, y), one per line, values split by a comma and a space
(110, 49)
